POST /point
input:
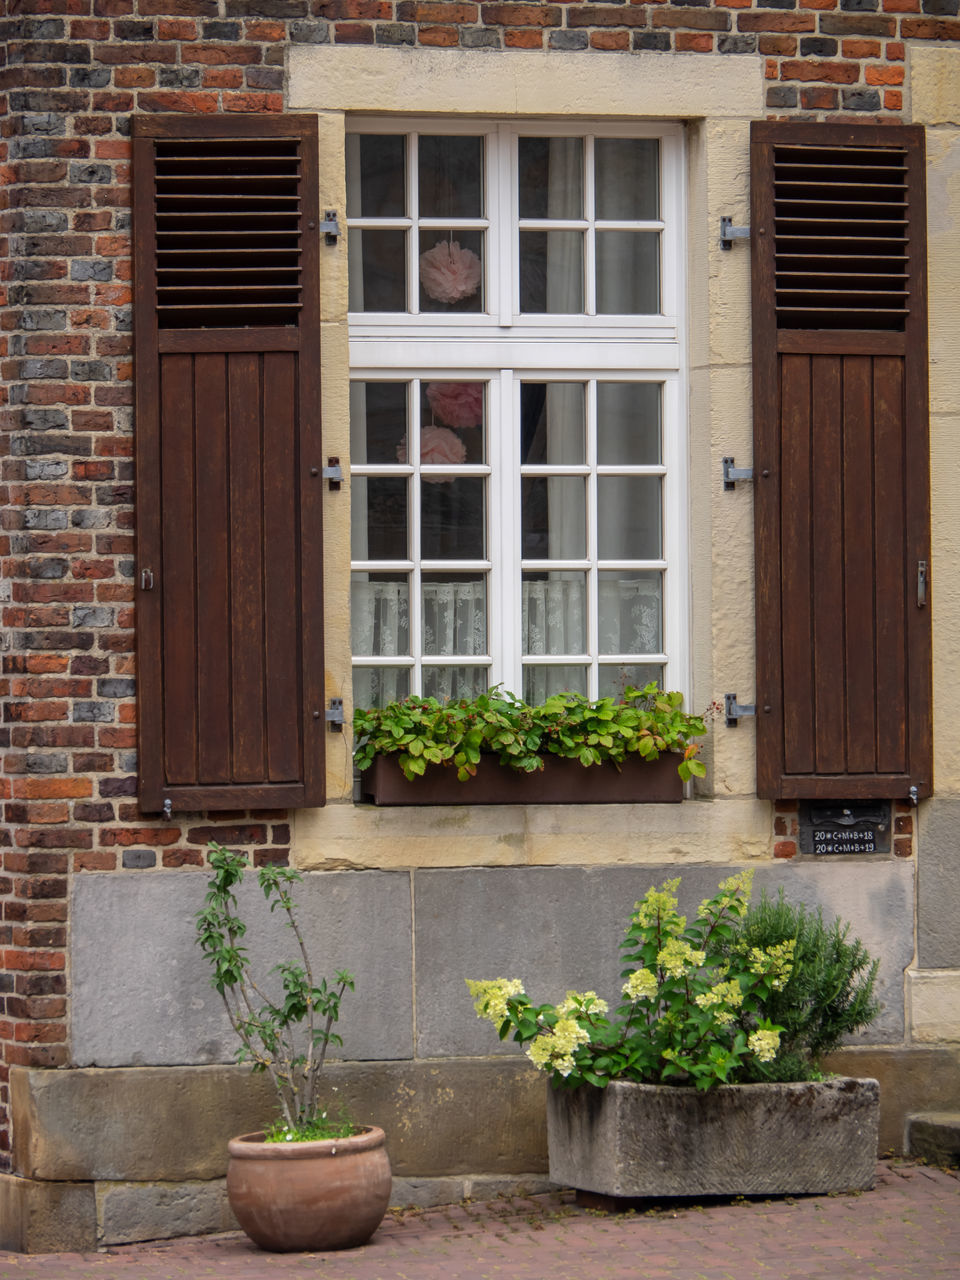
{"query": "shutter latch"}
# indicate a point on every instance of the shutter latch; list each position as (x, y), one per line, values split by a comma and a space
(335, 715)
(921, 583)
(333, 472)
(331, 227)
(732, 474)
(734, 709)
(729, 233)
(146, 579)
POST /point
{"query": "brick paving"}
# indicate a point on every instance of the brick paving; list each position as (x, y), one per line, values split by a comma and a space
(908, 1226)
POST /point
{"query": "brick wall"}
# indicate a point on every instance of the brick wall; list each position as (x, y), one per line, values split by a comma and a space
(75, 71)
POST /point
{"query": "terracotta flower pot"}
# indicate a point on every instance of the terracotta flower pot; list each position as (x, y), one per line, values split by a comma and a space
(309, 1195)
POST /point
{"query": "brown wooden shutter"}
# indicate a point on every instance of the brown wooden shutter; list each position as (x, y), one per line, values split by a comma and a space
(841, 460)
(226, 326)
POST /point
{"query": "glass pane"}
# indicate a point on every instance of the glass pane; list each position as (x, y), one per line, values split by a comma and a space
(554, 518)
(380, 614)
(378, 270)
(628, 423)
(452, 516)
(552, 423)
(451, 271)
(540, 683)
(455, 682)
(613, 681)
(628, 273)
(551, 177)
(628, 179)
(455, 614)
(456, 406)
(378, 421)
(375, 175)
(551, 272)
(378, 517)
(630, 612)
(376, 686)
(451, 177)
(628, 517)
(554, 613)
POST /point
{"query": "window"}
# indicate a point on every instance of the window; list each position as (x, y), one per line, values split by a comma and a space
(517, 442)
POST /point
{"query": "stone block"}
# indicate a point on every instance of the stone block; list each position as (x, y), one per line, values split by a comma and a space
(560, 927)
(638, 1140)
(131, 1211)
(934, 1136)
(46, 1217)
(141, 989)
(910, 1080)
(172, 1124)
(938, 888)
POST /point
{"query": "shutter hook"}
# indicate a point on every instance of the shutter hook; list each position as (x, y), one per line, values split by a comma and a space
(167, 809)
(914, 795)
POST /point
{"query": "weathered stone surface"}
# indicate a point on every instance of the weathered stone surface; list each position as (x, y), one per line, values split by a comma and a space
(131, 1211)
(157, 1124)
(560, 927)
(938, 889)
(43, 1217)
(422, 1193)
(910, 1080)
(141, 989)
(934, 1136)
(757, 1139)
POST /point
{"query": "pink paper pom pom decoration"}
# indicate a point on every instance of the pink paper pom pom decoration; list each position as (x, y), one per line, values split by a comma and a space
(439, 447)
(449, 273)
(458, 404)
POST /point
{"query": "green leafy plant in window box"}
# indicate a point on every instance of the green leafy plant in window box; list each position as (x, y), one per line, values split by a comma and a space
(458, 733)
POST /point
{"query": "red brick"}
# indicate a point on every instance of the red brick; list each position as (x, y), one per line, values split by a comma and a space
(52, 788)
(784, 46)
(903, 847)
(121, 739)
(127, 836)
(176, 29)
(182, 858)
(785, 849)
(776, 22)
(36, 710)
(883, 75)
(818, 4)
(187, 103)
(219, 55)
(901, 6)
(534, 15)
(33, 960)
(895, 51)
(811, 69)
(95, 860)
(698, 19)
(521, 38)
(860, 48)
(53, 838)
(690, 42)
(439, 37)
(892, 99)
(223, 78)
(123, 54)
(269, 31)
(89, 29)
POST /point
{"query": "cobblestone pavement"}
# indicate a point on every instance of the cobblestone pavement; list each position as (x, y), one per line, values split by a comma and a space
(909, 1226)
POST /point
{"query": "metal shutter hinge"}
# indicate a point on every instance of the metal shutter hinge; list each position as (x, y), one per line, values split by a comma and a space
(331, 227)
(729, 233)
(335, 715)
(734, 709)
(732, 474)
(921, 583)
(334, 473)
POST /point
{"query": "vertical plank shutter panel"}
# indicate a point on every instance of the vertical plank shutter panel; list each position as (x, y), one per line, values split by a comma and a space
(838, 230)
(226, 329)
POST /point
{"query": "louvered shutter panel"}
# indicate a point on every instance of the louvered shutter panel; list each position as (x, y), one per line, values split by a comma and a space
(841, 460)
(229, 556)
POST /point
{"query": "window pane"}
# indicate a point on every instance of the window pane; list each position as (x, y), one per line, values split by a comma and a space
(552, 423)
(454, 614)
(628, 517)
(630, 609)
(378, 270)
(551, 272)
(628, 179)
(628, 273)
(378, 517)
(614, 680)
(376, 686)
(540, 683)
(554, 613)
(554, 518)
(452, 515)
(551, 177)
(380, 614)
(455, 682)
(451, 271)
(458, 407)
(375, 175)
(628, 423)
(378, 421)
(451, 177)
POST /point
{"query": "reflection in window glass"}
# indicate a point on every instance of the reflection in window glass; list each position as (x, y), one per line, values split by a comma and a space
(375, 175)
(554, 518)
(540, 683)
(554, 613)
(628, 273)
(451, 177)
(630, 608)
(451, 271)
(627, 179)
(552, 430)
(378, 517)
(615, 680)
(378, 270)
(454, 614)
(629, 518)
(455, 682)
(452, 516)
(628, 424)
(551, 272)
(550, 177)
(376, 686)
(378, 421)
(380, 614)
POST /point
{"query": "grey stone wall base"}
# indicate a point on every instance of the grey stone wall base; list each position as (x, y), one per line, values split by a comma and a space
(424, 1193)
(46, 1217)
(639, 1140)
(934, 1136)
(910, 1080)
(128, 1212)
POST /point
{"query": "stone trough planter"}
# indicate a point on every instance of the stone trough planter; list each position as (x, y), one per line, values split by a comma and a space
(639, 1140)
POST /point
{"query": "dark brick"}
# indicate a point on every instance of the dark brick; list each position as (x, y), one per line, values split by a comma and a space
(309, 32)
(118, 787)
(840, 24)
(942, 8)
(655, 41)
(90, 370)
(569, 40)
(860, 99)
(267, 8)
(817, 47)
(139, 859)
(264, 77)
(479, 38)
(221, 31)
(736, 44)
(776, 4)
(90, 77)
(91, 173)
(133, 30)
(860, 6)
(116, 687)
(43, 51)
(93, 712)
(93, 812)
(395, 33)
(179, 77)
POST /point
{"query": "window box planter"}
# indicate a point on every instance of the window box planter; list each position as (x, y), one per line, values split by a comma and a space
(641, 1140)
(561, 781)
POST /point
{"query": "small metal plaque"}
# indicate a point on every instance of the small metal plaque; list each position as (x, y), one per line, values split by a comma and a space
(845, 827)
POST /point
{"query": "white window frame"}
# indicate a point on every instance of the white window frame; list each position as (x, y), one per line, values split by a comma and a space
(504, 347)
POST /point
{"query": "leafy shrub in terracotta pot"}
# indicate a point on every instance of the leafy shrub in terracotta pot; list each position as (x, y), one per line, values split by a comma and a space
(314, 1180)
(693, 1087)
